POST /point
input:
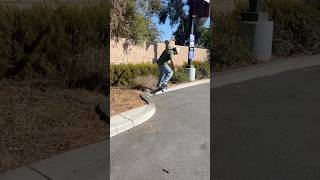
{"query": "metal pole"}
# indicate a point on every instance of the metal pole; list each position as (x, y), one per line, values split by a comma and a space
(192, 25)
(191, 42)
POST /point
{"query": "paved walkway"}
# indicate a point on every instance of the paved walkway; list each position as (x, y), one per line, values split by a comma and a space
(174, 144)
(265, 69)
(268, 128)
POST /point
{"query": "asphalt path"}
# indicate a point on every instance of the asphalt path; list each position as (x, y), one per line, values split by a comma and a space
(173, 144)
(268, 128)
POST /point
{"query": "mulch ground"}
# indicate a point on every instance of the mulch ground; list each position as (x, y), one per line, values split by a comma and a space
(39, 120)
(122, 99)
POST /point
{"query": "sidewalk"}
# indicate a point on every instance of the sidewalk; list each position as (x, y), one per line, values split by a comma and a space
(85, 163)
(266, 69)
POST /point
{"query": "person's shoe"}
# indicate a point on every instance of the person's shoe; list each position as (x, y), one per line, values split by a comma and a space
(164, 89)
(165, 85)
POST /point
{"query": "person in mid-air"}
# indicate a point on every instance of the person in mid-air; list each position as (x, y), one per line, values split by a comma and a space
(164, 68)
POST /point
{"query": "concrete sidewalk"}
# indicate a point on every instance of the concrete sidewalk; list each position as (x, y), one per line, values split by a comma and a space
(261, 70)
(90, 162)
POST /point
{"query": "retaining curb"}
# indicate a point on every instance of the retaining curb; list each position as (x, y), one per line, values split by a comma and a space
(124, 121)
(134, 117)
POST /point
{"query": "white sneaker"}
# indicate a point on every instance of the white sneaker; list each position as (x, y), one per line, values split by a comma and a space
(164, 90)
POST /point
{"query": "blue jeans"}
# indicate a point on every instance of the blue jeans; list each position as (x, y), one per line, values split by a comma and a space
(165, 74)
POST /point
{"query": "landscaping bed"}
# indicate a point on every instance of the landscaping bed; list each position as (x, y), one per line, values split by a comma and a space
(123, 99)
(40, 119)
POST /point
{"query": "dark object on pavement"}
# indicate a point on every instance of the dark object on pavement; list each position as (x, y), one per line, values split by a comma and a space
(165, 171)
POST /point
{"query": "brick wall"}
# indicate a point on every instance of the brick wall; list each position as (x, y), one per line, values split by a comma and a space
(149, 53)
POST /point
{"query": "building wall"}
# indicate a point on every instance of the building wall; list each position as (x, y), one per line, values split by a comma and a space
(149, 53)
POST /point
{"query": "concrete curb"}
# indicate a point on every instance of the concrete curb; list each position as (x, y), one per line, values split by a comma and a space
(267, 69)
(134, 117)
(185, 85)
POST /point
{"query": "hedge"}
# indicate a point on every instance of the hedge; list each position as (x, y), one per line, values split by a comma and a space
(66, 43)
(125, 74)
(296, 31)
(227, 48)
(297, 27)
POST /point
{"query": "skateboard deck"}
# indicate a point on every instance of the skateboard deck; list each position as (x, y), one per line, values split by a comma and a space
(157, 90)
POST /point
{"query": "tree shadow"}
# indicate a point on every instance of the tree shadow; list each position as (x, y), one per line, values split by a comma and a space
(155, 50)
(103, 111)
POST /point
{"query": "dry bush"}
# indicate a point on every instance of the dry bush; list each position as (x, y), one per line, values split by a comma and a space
(145, 82)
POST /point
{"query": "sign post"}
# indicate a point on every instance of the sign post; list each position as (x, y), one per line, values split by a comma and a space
(191, 44)
(200, 9)
(256, 27)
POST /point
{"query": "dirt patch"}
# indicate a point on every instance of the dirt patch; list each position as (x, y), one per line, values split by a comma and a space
(39, 120)
(122, 99)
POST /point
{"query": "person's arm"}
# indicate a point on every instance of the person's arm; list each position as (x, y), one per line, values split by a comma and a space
(173, 63)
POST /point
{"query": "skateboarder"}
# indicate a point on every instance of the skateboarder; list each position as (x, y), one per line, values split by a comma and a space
(164, 68)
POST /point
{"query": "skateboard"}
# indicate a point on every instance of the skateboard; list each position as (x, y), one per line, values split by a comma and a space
(163, 89)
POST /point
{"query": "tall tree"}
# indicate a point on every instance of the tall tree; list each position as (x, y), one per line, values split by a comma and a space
(131, 19)
(177, 12)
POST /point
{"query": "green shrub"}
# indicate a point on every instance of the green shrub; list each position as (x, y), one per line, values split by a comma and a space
(125, 74)
(297, 27)
(296, 31)
(180, 75)
(202, 69)
(229, 50)
(67, 43)
(132, 75)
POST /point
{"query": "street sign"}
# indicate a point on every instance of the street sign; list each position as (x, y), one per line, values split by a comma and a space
(192, 39)
(191, 54)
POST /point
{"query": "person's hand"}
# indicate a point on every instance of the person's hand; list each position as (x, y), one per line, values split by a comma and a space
(175, 69)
